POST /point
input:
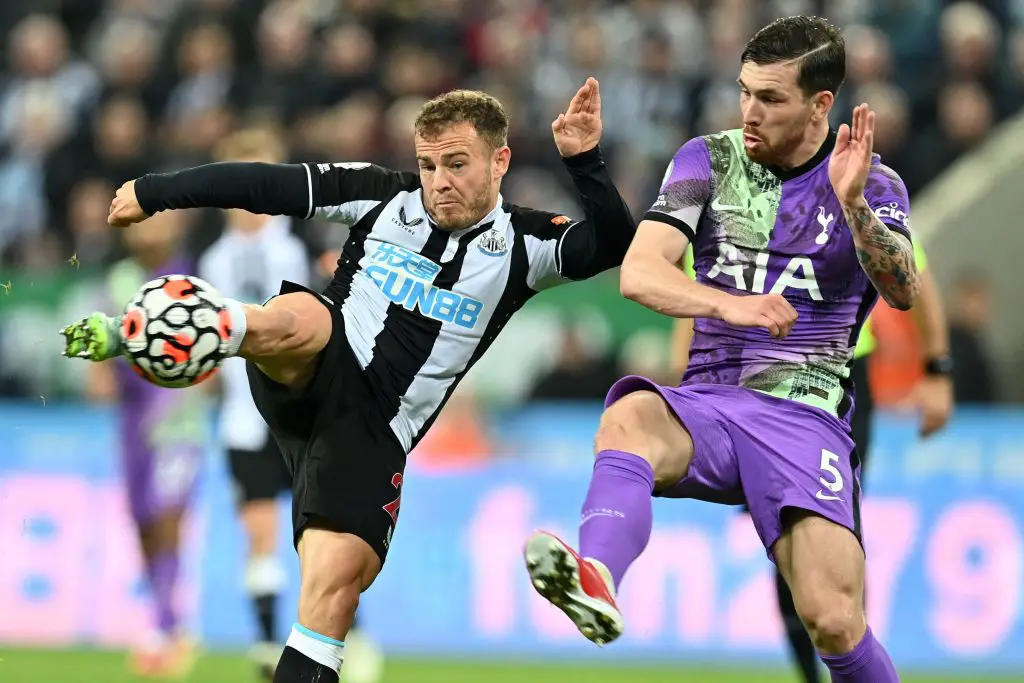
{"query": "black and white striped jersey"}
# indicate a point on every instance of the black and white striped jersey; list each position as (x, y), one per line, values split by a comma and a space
(420, 304)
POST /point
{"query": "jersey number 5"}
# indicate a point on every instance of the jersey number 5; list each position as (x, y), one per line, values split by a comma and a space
(827, 460)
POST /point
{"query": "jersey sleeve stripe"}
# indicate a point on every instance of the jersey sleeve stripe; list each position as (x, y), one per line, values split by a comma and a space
(900, 229)
(558, 248)
(309, 178)
(676, 223)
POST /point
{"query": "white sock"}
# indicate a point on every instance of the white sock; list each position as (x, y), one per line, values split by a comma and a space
(321, 649)
(238, 325)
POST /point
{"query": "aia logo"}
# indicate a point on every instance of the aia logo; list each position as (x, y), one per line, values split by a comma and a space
(393, 507)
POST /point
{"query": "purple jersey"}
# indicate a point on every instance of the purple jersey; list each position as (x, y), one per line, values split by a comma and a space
(757, 230)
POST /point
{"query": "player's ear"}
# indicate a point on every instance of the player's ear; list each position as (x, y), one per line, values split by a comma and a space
(822, 103)
(500, 159)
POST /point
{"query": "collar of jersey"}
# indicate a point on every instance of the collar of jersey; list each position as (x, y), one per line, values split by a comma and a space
(819, 156)
(490, 217)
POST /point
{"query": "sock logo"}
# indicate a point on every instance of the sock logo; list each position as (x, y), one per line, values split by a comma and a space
(599, 512)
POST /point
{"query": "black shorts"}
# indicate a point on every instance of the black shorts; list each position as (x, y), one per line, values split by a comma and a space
(863, 411)
(345, 462)
(260, 474)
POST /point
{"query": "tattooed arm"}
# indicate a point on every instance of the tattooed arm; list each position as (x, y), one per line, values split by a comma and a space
(885, 255)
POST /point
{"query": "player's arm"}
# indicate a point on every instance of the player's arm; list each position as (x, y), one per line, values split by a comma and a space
(650, 273)
(935, 394)
(600, 241)
(886, 255)
(330, 191)
(874, 202)
(682, 328)
(651, 276)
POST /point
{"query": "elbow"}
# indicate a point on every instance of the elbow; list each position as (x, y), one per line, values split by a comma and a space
(631, 281)
(905, 297)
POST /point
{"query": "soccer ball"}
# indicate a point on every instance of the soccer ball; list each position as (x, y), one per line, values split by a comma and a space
(176, 331)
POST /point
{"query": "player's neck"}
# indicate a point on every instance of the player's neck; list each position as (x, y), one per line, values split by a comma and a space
(812, 151)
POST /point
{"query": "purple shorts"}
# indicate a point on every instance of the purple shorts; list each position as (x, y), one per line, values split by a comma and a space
(159, 481)
(767, 452)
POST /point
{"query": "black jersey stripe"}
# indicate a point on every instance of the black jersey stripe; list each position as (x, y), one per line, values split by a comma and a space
(407, 339)
(512, 299)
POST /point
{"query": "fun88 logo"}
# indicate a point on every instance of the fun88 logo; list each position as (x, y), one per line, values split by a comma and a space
(406, 278)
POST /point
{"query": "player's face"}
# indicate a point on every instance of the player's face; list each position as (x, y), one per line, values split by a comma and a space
(777, 116)
(460, 174)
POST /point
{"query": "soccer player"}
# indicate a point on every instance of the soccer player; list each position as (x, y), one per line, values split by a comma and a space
(349, 380)
(796, 230)
(934, 397)
(163, 436)
(255, 251)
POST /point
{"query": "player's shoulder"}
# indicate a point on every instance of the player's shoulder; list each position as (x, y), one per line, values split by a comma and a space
(367, 172)
(539, 223)
(883, 180)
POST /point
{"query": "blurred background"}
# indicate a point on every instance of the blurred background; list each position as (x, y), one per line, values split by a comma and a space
(96, 92)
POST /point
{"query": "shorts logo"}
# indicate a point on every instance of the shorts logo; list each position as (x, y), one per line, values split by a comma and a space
(493, 243)
(393, 507)
(560, 220)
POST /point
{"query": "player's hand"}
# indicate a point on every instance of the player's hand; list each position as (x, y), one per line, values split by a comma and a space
(578, 130)
(851, 159)
(125, 209)
(770, 311)
(935, 401)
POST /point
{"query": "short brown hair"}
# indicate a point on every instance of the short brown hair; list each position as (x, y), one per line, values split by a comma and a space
(479, 109)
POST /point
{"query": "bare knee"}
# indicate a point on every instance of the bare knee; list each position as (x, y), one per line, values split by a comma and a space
(336, 569)
(285, 336)
(834, 619)
(641, 423)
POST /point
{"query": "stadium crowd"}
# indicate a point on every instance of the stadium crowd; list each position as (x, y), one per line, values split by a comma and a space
(95, 92)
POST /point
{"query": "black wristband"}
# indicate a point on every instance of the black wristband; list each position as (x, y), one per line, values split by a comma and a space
(939, 365)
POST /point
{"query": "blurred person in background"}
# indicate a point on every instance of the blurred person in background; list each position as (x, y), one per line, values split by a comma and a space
(582, 370)
(163, 437)
(970, 316)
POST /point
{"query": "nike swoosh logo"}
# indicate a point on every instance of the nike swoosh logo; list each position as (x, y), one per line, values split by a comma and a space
(719, 206)
(822, 496)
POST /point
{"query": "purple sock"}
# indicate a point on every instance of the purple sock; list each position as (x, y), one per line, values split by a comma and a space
(616, 520)
(867, 663)
(163, 578)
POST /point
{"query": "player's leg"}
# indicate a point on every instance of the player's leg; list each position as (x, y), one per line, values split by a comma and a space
(800, 642)
(642, 448)
(259, 477)
(805, 656)
(160, 488)
(823, 562)
(801, 478)
(336, 568)
(347, 479)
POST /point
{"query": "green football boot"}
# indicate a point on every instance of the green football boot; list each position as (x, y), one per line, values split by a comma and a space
(96, 338)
